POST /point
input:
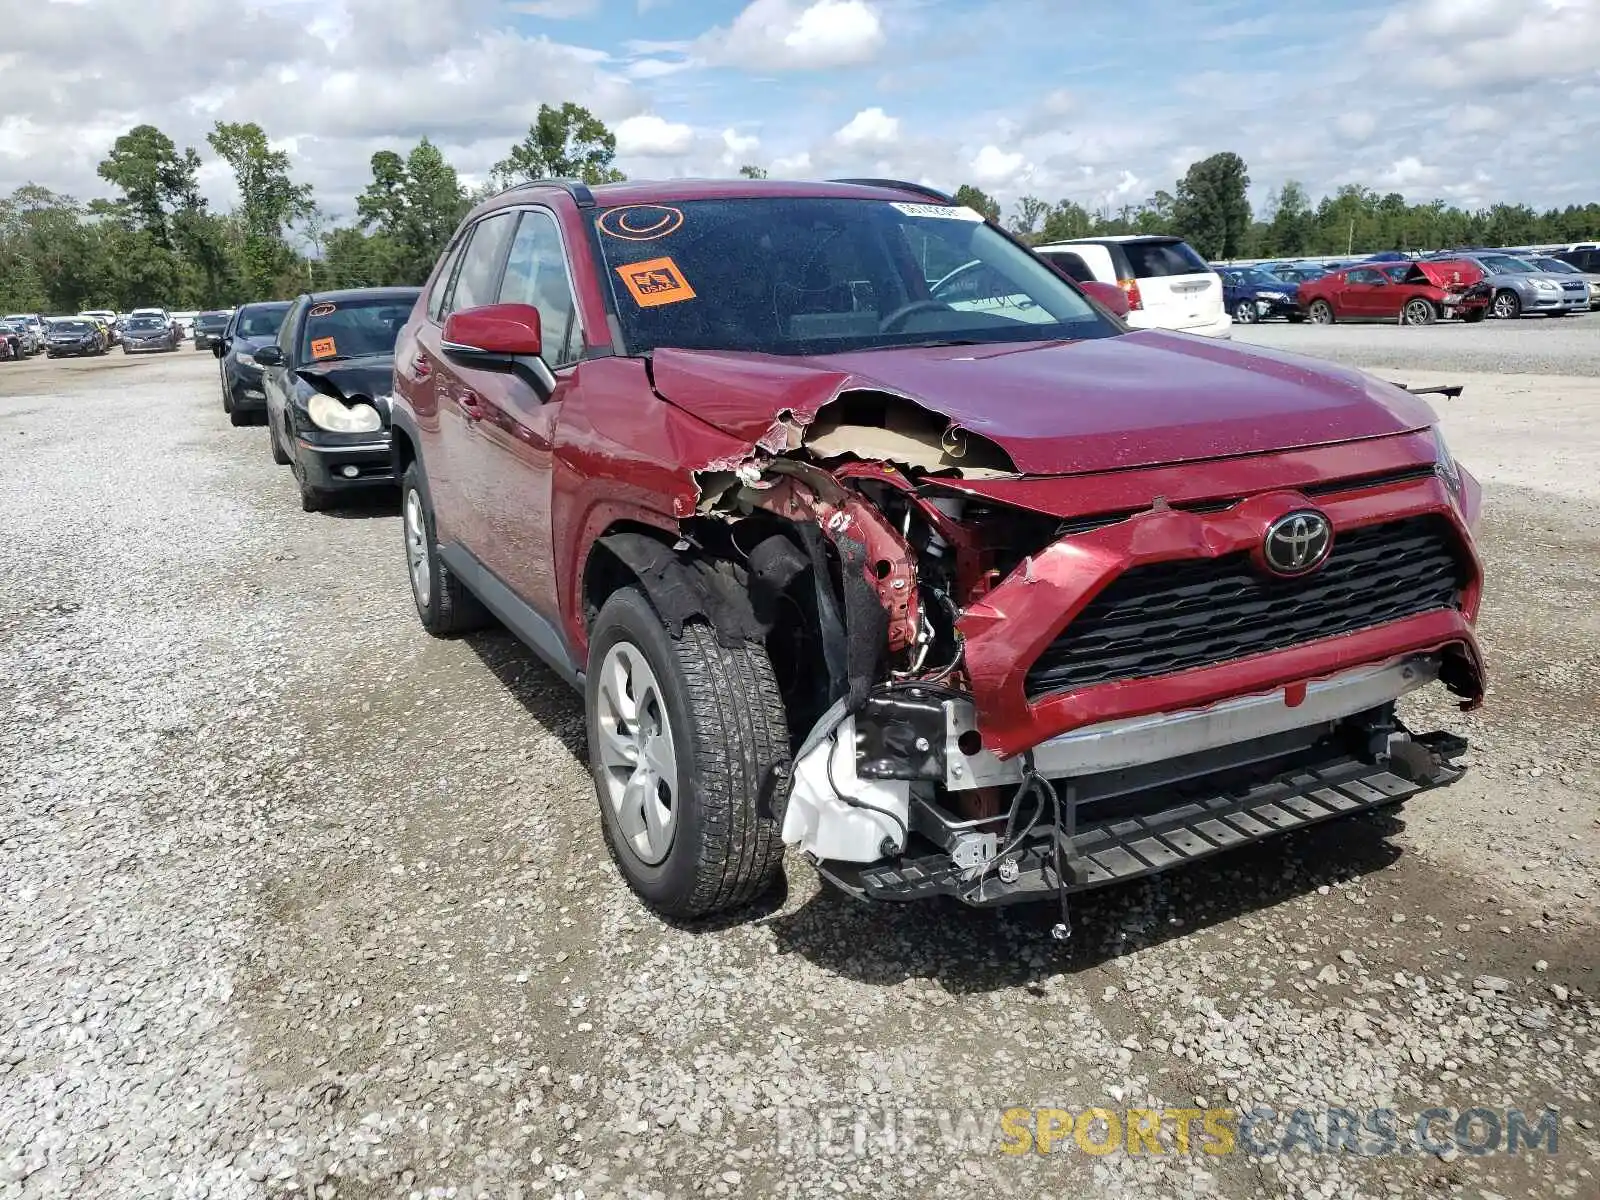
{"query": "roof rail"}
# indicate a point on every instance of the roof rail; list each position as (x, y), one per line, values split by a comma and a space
(918, 188)
(576, 188)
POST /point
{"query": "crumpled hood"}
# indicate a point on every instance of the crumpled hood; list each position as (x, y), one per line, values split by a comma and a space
(368, 377)
(1060, 408)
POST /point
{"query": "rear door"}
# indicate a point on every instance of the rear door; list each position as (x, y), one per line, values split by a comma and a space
(1176, 287)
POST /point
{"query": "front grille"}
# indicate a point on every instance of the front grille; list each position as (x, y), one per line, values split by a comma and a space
(1178, 616)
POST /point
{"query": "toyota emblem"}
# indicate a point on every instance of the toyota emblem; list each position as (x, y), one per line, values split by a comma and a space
(1297, 543)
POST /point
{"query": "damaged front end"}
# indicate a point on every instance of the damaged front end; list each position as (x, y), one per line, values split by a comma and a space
(1007, 686)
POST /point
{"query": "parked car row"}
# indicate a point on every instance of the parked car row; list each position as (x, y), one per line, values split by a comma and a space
(862, 530)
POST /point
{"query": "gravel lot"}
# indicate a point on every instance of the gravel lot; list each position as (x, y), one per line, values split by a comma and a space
(297, 900)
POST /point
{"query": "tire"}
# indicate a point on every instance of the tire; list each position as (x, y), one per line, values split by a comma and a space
(726, 735)
(1506, 305)
(1297, 318)
(444, 605)
(1560, 313)
(1320, 313)
(312, 499)
(1244, 313)
(124, 350)
(279, 455)
(237, 419)
(1418, 311)
(1473, 316)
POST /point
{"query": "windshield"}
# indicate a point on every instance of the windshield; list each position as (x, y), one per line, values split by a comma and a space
(138, 323)
(1504, 264)
(1556, 267)
(212, 320)
(73, 327)
(805, 275)
(1260, 278)
(261, 322)
(356, 328)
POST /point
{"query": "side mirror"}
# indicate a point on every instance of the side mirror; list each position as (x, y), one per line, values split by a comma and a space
(268, 356)
(1108, 295)
(500, 337)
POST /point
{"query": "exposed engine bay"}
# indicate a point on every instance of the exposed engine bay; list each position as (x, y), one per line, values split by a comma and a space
(911, 585)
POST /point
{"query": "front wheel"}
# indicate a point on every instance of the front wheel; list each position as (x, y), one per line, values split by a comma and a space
(1418, 312)
(1507, 305)
(1244, 313)
(1474, 315)
(1320, 312)
(279, 455)
(684, 735)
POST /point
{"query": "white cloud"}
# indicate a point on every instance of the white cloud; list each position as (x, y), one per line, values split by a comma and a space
(1472, 44)
(792, 164)
(869, 127)
(650, 136)
(782, 35)
(994, 165)
(737, 148)
(557, 10)
(1357, 124)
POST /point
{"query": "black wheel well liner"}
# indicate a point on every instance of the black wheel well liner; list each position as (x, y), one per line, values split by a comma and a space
(682, 584)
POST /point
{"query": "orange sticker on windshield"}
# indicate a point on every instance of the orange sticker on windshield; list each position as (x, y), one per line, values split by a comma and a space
(323, 348)
(656, 281)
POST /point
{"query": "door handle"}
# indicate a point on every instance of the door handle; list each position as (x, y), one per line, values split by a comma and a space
(467, 404)
(420, 366)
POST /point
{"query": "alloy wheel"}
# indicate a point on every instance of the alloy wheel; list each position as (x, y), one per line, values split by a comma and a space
(418, 557)
(640, 761)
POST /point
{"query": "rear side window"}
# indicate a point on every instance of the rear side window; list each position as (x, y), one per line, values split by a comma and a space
(1152, 260)
(1072, 264)
(478, 281)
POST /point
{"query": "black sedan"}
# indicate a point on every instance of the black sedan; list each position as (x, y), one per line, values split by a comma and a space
(76, 336)
(251, 327)
(328, 379)
(142, 334)
(208, 328)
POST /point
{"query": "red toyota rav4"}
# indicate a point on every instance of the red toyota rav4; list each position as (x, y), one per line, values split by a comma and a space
(961, 590)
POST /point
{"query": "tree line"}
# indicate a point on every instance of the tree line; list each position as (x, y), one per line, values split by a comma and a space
(1210, 209)
(158, 241)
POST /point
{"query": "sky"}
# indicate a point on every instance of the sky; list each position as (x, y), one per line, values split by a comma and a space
(1098, 101)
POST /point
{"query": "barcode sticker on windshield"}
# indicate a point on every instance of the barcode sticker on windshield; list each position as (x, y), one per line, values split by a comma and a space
(323, 348)
(950, 212)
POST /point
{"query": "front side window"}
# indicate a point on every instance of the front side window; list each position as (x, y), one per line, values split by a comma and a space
(478, 280)
(536, 274)
(808, 275)
(356, 328)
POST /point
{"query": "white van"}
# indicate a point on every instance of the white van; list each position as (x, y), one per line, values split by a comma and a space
(1168, 285)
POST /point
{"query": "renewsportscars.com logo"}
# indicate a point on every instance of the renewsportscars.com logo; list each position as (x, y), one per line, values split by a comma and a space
(1261, 1131)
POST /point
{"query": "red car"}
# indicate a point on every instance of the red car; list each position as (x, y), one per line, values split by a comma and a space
(1412, 293)
(977, 594)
